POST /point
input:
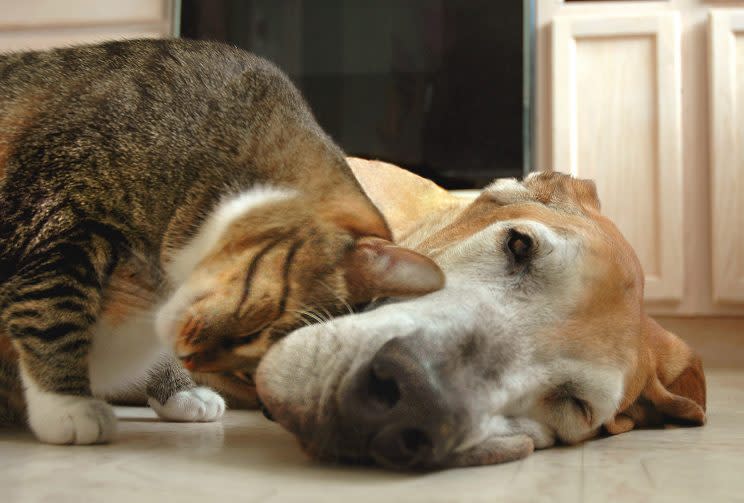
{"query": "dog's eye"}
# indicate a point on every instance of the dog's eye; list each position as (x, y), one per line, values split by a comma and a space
(583, 407)
(519, 245)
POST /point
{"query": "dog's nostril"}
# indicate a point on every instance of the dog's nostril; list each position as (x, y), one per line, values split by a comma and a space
(402, 448)
(415, 441)
(384, 391)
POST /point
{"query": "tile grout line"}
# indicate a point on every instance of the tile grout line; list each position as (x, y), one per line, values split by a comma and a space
(582, 480)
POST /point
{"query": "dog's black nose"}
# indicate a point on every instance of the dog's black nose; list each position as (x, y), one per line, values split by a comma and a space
(398, 403)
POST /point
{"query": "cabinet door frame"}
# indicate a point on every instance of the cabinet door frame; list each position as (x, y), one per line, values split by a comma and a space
(726, 155)
(42, 25)
(664, 26)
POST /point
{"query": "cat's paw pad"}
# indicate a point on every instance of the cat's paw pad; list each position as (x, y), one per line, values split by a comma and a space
(194, 405)
(64, 419)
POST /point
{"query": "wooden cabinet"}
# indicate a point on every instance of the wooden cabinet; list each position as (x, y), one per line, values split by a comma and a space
(726, 63)
(647, 98)
(41, 24)
(616, 118)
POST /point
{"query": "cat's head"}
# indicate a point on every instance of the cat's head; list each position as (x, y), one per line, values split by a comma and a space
(269, 261)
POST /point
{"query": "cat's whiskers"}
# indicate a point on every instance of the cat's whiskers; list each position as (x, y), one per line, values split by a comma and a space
(303, 317)
(338, 296)
(305, 313)
(328, 316)
(314, 316)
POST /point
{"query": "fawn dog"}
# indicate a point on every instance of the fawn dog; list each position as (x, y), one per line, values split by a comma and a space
(538, 337)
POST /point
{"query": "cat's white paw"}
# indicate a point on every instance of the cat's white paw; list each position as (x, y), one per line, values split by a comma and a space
(195, 405)
(66, 419)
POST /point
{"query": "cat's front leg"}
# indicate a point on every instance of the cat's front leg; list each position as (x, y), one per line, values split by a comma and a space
(62, 418)
(49, 308)
(174, 396)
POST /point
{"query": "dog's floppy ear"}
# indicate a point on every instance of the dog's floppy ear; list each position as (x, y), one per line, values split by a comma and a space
(378, 268)
(673, 386)
(403, 197)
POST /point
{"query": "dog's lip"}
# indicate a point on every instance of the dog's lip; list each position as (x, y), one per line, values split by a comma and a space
(264, 410)
(306, 427)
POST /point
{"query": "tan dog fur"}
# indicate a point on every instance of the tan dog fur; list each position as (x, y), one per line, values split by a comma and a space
(664, 379)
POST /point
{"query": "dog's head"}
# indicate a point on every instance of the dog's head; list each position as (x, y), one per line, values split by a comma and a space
(539, 336)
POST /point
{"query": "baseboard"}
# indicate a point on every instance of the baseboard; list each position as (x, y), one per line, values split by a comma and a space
(718, 340)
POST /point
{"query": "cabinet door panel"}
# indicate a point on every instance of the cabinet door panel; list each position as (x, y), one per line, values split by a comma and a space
(616, 97)
(43, 24)
(726, 60)
(46, 39)
(79, 12)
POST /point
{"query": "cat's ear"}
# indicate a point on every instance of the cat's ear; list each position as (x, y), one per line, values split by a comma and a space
(378, 268)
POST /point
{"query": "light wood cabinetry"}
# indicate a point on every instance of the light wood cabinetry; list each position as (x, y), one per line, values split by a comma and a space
(616, 119)
(647, 98)
(726, 54)
(42, 24)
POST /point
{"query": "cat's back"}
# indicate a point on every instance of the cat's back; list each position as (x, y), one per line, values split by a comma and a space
(130, 84)
(108, 123)
(143, 109)
(79, 70)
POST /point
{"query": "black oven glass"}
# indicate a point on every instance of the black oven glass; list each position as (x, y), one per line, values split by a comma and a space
(437, 86)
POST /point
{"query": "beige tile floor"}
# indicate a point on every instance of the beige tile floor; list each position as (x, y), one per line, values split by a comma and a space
(246, 458)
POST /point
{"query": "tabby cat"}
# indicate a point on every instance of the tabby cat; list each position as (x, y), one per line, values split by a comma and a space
(167, 187)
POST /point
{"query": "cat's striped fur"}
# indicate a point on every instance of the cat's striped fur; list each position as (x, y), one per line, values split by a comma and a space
(115, 160)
